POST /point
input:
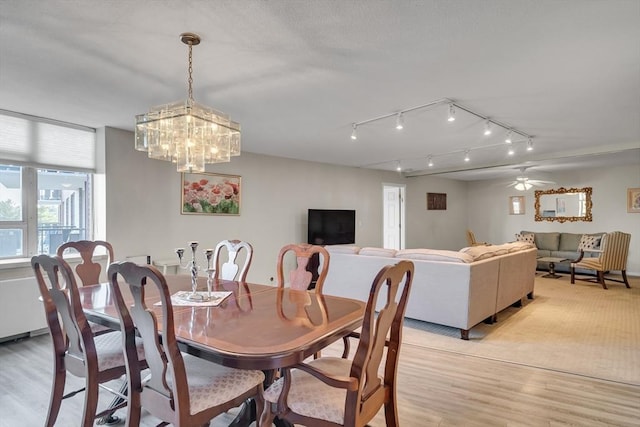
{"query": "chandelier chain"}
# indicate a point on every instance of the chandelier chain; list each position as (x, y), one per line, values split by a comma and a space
(190, 80)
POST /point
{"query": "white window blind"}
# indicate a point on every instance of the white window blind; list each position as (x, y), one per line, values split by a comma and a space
(33, 141)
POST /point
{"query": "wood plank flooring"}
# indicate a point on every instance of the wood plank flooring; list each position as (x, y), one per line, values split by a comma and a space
(436, 388)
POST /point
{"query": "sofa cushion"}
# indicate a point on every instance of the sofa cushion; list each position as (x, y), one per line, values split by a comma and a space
(569, 241)
(378, 252)
(434, 255)
(528, 237)
(547, 241)
(342, 249)
(483, 252)
(518, 246)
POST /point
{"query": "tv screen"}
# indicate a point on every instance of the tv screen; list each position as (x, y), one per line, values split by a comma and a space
(331, 226)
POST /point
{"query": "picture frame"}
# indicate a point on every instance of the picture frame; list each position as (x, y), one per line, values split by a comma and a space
(633, 200)
(210, 194)
(516, 205)
(437, 201)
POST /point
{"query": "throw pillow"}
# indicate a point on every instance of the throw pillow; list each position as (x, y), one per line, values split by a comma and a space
(588, 243)
(342, 249)
(529, 238)
(378, 252)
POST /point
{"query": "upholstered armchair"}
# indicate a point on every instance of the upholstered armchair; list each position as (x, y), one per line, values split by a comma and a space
(613, 254)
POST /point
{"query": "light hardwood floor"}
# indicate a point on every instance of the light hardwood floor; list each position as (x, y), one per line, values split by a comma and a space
(436, 388)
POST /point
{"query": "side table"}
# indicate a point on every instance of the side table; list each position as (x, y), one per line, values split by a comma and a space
(552, 266)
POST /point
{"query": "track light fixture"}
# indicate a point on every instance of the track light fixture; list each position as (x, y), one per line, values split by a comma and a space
(400, 121)
(508, 139)
(453, 107)
(452, 113)
(487, 128)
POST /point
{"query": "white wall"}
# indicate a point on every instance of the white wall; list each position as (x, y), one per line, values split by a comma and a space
(436, 229)
(489, 210)
(143, 204)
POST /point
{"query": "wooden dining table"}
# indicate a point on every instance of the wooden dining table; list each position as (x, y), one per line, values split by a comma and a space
(256, 327)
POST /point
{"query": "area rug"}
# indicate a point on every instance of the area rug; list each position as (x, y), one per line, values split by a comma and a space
(580, 329)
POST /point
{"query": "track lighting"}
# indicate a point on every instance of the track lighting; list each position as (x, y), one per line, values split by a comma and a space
(452, 109)
(487, 128)
(452, 113)
(400, 121)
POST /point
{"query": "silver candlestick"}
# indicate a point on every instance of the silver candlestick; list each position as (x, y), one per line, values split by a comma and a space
(192, 266)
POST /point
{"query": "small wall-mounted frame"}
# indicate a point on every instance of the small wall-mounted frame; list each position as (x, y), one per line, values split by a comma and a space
(437, 201)
(633, 200)
(516, 205)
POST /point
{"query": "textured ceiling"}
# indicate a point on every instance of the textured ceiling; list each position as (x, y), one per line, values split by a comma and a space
(296, 75)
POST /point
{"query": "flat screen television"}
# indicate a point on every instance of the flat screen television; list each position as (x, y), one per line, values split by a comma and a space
(331, 226)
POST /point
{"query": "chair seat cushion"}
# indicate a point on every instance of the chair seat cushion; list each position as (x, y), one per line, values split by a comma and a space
(589, 263)
(211, 384)
(109, 350)
(311, 397)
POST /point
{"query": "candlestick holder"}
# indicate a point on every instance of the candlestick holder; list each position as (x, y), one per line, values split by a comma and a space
(193, 267)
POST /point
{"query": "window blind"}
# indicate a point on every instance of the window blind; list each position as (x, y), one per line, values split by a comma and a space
(34, 141)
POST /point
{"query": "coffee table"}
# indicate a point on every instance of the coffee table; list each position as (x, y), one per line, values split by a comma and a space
(552, 266)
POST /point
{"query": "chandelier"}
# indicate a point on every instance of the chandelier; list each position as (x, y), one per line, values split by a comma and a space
(185, 132)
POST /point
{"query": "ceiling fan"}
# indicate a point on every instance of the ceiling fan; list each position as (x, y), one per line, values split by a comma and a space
(523, 183)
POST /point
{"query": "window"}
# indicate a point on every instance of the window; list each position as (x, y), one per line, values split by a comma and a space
(60, 201)
(46, 184)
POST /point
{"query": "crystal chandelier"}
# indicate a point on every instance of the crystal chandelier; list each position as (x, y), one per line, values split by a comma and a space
(187, 133)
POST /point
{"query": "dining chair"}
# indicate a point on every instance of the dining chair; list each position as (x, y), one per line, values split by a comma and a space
(87, 270)
(471, 240)
(76, 350)
(613, 254)
(307, 256)
(332, 391)
(230, 270)
(181, 389)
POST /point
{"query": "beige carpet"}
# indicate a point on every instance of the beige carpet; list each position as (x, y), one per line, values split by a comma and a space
(581, 329)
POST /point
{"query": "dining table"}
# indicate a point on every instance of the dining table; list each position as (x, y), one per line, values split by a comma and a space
(256, 326)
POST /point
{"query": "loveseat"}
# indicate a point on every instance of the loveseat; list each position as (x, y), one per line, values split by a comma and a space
(456, 289)
(560, 245)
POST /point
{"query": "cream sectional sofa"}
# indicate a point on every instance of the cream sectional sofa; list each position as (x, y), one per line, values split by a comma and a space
(456, 289)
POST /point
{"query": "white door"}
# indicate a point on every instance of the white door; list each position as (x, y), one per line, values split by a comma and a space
(393, 205)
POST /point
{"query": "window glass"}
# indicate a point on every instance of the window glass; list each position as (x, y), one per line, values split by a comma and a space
(62, 208)
(10, 193)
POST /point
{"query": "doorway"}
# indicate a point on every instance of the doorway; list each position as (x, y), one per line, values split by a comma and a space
(393, 216)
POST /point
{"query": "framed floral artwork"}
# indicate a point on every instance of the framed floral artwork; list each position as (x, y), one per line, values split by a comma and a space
(210, 194)
(633, 200)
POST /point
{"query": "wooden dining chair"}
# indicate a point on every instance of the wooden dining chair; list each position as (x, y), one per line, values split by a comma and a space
(230, 270)
(181, 389)
(88, 271)
(332, 391)
(301, 278)
(75, 349)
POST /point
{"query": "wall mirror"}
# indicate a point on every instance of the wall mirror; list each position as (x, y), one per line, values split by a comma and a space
(563, 204)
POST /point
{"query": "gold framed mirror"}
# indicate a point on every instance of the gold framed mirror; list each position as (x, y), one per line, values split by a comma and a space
(564, 204)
